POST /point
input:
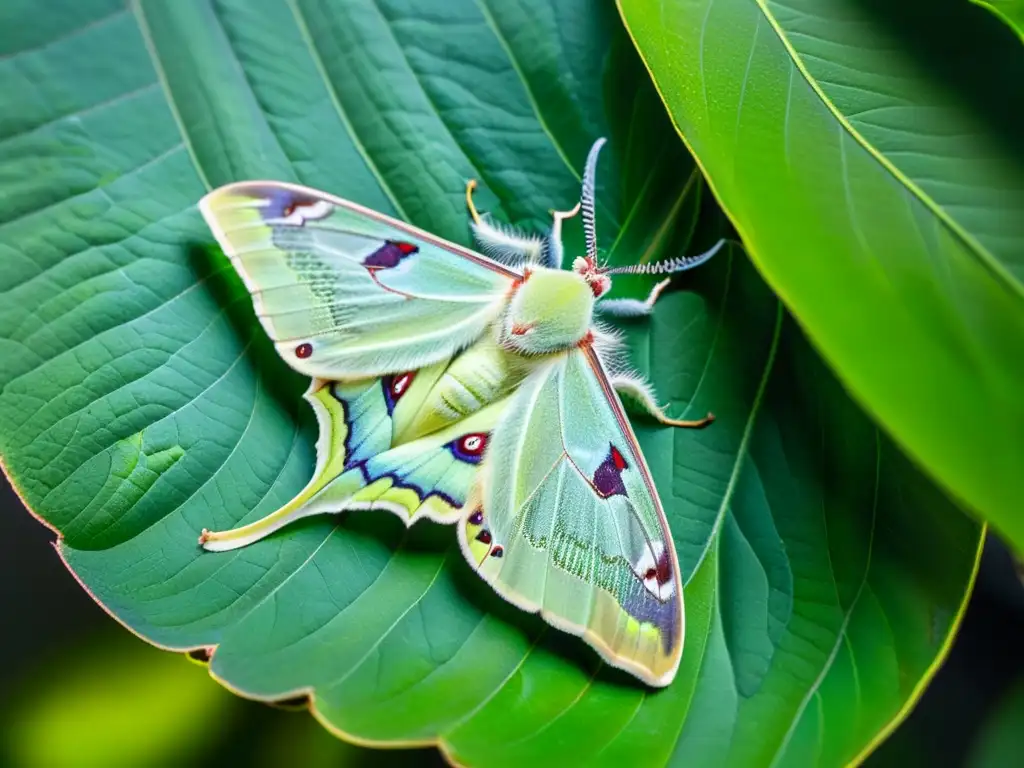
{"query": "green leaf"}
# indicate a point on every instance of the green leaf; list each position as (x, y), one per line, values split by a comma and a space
(874, 172)
(1011, 12)
(140, 401)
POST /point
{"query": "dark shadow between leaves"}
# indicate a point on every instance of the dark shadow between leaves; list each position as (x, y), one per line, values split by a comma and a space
(292, 704)
(200, 656)
(967, 51)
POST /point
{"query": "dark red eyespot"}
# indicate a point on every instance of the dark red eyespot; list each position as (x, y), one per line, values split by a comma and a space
(498, 551)
(476, 518)
(406, 248)
(484, 537)
(400, 383)
(473, 444)
(304, 350)
(651, 573)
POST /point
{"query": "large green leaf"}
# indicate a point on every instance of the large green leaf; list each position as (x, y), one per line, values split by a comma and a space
(869, 154)
(140, 400)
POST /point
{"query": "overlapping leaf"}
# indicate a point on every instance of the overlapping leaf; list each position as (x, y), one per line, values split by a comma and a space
(874, 169)
(140, 401)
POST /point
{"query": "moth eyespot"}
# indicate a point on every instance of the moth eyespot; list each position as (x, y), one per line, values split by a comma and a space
(652, 573)
(304, 350)
(497, 551)
(400, 384)
(484, 537)
(476, 518)
(473, 444)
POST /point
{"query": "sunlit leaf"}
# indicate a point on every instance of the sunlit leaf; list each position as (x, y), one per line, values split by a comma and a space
(869, 154)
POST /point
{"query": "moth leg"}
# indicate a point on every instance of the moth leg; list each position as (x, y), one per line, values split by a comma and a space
(637, 392)
(470, 186)
(501, 243)
(554, 253)
(632, 307)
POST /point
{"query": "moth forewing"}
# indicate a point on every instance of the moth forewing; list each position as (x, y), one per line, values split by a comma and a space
(345, 292)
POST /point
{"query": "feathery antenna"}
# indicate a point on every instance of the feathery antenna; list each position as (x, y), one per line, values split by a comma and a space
(587, 200)
(678, 264)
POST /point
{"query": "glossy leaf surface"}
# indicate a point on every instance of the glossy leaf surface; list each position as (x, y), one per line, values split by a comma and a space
(140, 397)
(875, 173)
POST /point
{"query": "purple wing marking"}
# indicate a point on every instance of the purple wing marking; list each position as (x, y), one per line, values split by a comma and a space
(389, 255)
(290, 207)
(608, 475)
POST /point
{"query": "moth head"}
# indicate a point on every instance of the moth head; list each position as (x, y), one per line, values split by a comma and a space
(589, 267)
(595, 276)
(550, 311)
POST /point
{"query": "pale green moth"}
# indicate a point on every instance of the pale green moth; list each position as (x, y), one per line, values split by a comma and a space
(471, 390)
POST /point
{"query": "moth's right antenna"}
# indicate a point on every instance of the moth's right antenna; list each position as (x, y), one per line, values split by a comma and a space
(587, 200)
(678, 264)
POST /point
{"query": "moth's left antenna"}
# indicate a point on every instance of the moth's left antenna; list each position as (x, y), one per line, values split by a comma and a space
(587, 200)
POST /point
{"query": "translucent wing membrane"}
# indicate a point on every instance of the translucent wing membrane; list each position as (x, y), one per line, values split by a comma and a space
(346, 292)
(566, 521)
